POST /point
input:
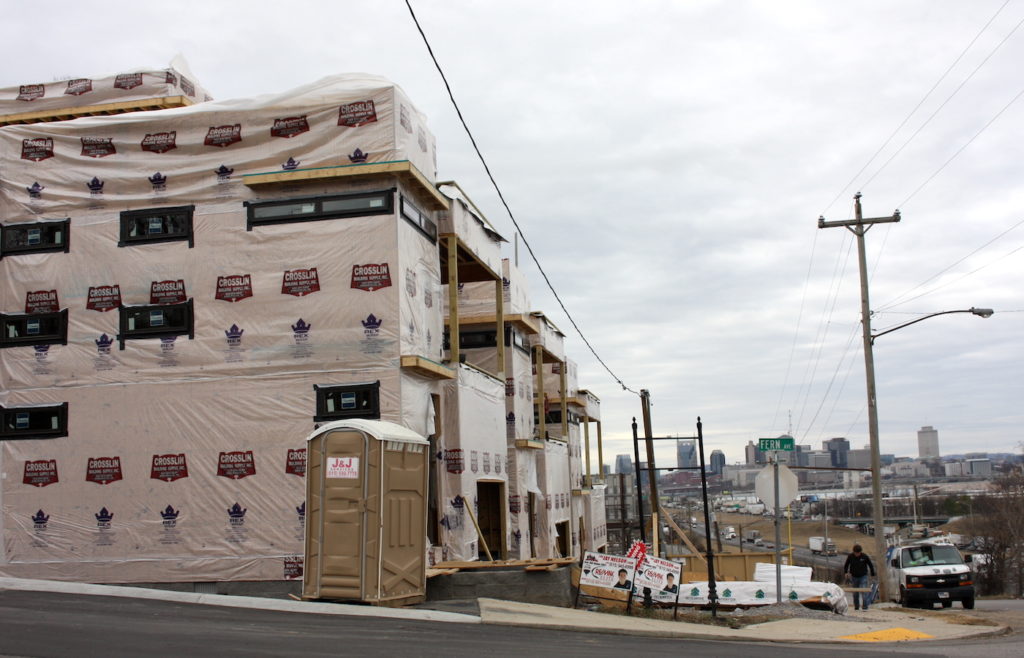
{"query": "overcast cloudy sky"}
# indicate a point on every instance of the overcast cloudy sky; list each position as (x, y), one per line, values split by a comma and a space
(668, 162)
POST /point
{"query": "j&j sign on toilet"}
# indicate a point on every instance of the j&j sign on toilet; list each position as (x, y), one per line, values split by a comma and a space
(343, 467)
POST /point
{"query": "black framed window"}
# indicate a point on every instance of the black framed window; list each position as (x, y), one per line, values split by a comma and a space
(347, 401)
(469, 340)
(419, 219)
(156, 321)
(157, 225)
(311, 209)
(515, 338)
(38, 422)
(35, 237)
(34, 328)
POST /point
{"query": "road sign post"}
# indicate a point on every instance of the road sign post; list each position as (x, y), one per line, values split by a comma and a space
(775, 446)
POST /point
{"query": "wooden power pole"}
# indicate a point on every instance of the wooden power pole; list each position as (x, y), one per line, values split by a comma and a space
(859, 227)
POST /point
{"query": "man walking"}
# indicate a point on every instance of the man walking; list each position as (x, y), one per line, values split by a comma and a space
(856, 571)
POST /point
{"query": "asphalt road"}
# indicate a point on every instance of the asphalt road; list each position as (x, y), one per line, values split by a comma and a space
(46, 624)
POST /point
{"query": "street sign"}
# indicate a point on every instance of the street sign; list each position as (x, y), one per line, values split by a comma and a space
(764, 486)
(784, 443)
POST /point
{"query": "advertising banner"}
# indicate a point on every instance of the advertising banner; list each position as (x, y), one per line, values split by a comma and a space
(662, 576)
(609, 571)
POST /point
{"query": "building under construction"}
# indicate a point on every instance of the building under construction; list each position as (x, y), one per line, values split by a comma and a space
(190, 287)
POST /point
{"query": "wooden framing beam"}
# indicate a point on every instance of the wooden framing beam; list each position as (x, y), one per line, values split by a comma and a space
(425, 366)
(122, 107)
(401, 168)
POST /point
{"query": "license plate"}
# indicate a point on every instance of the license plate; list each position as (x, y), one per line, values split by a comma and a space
(943, 595)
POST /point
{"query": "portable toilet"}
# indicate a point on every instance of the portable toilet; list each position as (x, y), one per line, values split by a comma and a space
(366, 513)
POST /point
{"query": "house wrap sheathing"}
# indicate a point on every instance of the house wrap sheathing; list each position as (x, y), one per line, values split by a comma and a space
(187, 292)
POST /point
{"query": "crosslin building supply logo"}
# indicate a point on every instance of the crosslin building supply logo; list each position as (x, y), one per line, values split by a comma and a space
(78, 86)
(234, 287)
(98, 147)
(371, 276)
(104, 298)
(289, 127)
(41, 301)
(357, 114)
(40, 473)
(37, 149)
(295, 463)
(300, 282)
(167, 292)
(31, 92)
(160, 142)
(223, 136)
(169, 468)
(236, 465)
(128, 81)
(103, 470)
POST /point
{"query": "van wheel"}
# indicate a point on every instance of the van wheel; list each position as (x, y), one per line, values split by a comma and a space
(903, 598)
(968, 604)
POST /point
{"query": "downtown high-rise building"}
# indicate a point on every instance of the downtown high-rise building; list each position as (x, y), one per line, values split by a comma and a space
(927, 443)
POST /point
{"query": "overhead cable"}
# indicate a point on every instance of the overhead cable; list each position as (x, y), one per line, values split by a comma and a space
(501, 196)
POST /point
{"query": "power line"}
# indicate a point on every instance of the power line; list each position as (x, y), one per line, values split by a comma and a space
(916, 108)
(895, 301)
(501, 196)
(948, 98)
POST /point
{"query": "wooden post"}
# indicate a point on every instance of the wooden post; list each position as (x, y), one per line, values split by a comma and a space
(499, 324)
(538, 364)
(565, 403)
(586, 447)
(600, 453)
(453, 299)
(476, 525)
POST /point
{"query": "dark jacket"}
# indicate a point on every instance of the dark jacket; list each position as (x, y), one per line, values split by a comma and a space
(858, 565)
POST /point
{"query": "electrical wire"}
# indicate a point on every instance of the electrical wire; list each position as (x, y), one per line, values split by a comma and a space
(895, 300)
(948, 98)
(501, 196)
(914, 111)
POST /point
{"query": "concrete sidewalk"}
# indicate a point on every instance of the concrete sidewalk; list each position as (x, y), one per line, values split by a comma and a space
(883, 625)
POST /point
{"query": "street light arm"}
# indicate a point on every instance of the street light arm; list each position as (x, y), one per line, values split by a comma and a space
(980, 312)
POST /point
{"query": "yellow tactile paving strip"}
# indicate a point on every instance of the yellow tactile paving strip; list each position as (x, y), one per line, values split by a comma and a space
(889, 635)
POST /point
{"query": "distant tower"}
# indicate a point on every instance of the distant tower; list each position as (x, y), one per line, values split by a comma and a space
(717, 462)
(837, 448)
(753, 454)
(928, 443)
(686, 453)
(623, 464)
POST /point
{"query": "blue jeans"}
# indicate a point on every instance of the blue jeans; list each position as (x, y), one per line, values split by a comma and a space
(859, 581)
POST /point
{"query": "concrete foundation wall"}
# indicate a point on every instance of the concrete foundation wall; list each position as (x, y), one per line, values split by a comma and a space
(544, 587)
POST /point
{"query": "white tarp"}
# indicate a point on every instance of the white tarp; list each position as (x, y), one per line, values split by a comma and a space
(764, 572)
(125, 87)
(745, 593)
(198, 154)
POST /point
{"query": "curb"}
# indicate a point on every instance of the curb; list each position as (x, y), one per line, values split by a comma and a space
(222, 600)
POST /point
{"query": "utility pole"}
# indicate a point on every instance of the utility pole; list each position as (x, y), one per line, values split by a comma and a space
(652, 474)
(859, 227)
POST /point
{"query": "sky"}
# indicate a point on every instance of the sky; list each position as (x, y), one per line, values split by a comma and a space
(667, 163)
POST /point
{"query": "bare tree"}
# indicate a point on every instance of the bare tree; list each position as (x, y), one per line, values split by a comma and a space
(997, 523)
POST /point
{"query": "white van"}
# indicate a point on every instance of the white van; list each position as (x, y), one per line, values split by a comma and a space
(929, 571)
